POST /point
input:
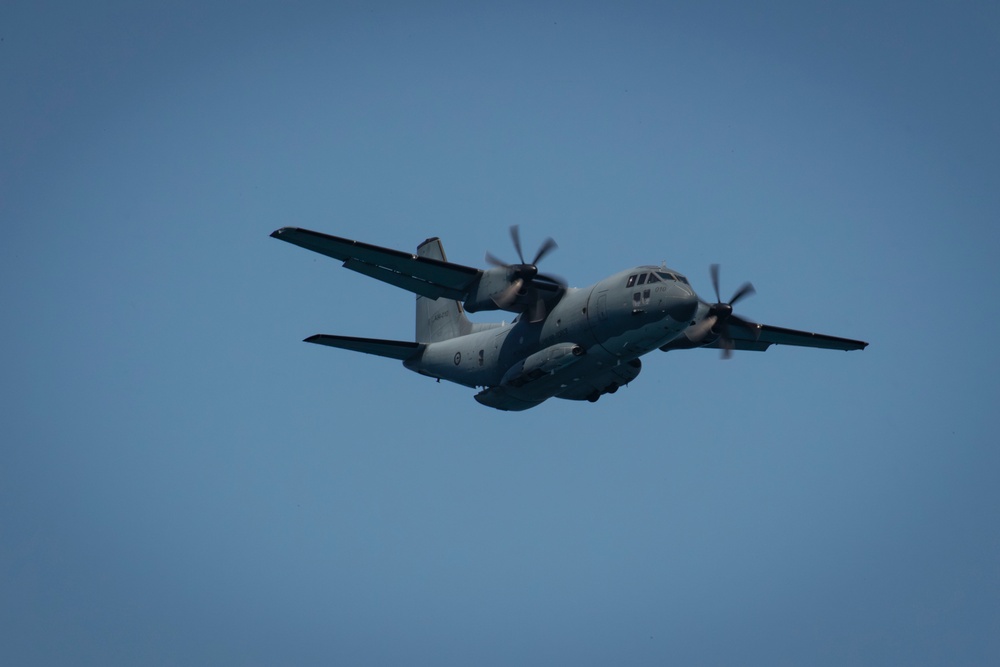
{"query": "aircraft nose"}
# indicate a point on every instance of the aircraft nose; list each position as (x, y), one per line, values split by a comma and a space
(684, 307)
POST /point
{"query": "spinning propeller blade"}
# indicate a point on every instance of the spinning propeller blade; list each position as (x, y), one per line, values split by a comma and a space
(524, 274)
(720, 316)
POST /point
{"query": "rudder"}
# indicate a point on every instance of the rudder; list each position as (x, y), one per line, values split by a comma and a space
(438, 319)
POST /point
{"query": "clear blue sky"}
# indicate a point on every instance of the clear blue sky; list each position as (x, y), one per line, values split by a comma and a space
(182, 481)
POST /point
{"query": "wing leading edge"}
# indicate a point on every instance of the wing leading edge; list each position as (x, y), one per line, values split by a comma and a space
(425, 276)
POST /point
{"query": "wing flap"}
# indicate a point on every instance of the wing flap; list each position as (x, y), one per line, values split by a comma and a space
(426, 276)
(393, 349)
(409, 283)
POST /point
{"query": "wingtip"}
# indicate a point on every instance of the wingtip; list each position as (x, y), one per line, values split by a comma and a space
(278, 233)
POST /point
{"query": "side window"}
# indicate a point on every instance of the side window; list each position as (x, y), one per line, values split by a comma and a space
(642, 278)
(640, 300)
(631, 281)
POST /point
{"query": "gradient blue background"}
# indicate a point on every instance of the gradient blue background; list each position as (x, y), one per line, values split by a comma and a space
(182, 481)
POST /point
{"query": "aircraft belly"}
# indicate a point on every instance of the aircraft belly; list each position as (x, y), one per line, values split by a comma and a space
(522, 397)
(502, 399)
(592, 374)
(606, 380)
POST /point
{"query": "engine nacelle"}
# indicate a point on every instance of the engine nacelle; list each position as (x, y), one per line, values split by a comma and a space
(541, 363)
(491, 283)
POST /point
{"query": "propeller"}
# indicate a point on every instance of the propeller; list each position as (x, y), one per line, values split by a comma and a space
(524, 274)
(720, 315)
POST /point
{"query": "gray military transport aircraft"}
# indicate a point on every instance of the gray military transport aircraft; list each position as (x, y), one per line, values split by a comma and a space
(565, 342)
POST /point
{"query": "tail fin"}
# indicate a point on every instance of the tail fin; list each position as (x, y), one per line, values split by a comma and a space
(438, 319)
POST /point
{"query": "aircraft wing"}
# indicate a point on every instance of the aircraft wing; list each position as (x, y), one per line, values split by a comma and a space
(763, 336)
(393, 349)
(426, 276)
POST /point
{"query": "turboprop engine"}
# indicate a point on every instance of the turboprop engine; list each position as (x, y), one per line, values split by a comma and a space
(515, 287)
(488, 292)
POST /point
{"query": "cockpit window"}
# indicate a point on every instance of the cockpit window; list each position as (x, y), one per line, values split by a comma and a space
(642, 279)
(631, 280)
(666, 275)
(653, 278)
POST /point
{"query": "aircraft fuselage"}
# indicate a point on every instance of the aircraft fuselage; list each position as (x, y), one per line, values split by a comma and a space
(589, 344)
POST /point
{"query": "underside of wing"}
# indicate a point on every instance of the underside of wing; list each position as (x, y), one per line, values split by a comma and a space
(393, 349)
(426, 276)
(762, 336)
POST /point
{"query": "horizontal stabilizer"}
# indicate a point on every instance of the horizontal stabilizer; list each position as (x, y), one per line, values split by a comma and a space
(393, 349)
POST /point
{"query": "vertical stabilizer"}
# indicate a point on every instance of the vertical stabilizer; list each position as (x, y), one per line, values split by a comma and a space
(438, 319)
